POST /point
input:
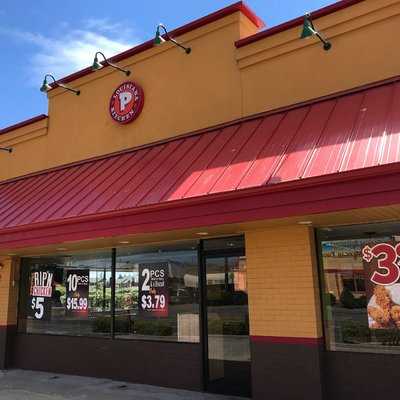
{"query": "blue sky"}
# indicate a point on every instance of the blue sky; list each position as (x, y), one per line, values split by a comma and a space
(41, 36)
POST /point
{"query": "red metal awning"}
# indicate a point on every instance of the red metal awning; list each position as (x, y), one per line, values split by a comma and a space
(328, 138)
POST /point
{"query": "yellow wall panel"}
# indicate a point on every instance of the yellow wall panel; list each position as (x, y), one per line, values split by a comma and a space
(283, 283)
(8, 291)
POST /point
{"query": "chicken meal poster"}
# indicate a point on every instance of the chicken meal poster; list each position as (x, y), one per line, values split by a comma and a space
(41, 288)
(381, 264)
(153, 289)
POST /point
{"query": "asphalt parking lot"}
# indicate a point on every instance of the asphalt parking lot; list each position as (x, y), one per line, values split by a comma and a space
(30, 385)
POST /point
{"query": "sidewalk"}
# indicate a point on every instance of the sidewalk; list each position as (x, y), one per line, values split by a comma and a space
(29, 385)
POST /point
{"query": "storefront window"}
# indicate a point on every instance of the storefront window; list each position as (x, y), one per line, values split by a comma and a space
(66, 295)
(361, 287)
(157, 293)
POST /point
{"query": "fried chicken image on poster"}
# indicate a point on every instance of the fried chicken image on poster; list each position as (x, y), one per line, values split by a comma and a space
(381, 264)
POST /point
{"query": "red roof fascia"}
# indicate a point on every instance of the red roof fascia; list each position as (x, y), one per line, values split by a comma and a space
(302, 341)
(364, 188)
(22, 124)
(340, 5)
(240, 6)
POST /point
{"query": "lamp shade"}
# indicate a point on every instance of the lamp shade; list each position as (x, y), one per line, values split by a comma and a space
(308, 29)
(96, 64)
(158, 38)
(45, 87)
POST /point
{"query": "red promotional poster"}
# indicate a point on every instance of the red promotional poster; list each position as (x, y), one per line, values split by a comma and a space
(77, 293)
(381, 262)
(153, 289)
(40, 294)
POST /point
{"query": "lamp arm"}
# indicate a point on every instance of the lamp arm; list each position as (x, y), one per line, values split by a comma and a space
(187, 49)
(77, 92)
(327, 44)
(320, 37)
(50, 76)
(125, 71)
(168, 37)
(102, 54)
(311, 23)
(106, 62)
(162, 26)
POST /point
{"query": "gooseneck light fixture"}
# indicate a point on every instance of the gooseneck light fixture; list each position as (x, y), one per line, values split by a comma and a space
(161, 38)
(99, 65)
(46, 86)
(309, 30)
(7, 149)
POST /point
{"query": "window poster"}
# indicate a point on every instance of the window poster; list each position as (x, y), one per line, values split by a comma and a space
(41, 290)
(77, 293)
(381, 262)
(153, 289)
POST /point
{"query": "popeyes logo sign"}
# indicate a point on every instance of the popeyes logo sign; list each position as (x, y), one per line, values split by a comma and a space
(387, 258)
(126, 102)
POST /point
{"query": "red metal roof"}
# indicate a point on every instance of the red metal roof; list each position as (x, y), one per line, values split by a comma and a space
(334, 136)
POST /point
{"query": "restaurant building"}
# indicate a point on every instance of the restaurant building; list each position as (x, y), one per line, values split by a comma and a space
(223, 220)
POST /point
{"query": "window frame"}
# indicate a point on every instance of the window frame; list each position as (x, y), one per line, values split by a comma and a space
(318, 238)
(145, 261)
(23, 287)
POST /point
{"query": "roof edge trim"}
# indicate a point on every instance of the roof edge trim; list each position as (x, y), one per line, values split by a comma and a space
(198, 23)
(322, 12)
(23, 123)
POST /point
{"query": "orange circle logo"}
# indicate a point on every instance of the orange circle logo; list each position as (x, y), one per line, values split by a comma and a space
(126, 102)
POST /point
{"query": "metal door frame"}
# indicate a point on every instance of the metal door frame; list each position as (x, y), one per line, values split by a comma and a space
(202, 256)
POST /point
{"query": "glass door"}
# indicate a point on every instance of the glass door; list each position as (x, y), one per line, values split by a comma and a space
(227, 323)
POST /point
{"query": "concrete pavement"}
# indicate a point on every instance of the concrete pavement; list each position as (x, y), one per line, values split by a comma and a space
(29, 385)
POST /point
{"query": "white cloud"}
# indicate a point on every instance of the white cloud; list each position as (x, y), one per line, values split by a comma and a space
(72, 49)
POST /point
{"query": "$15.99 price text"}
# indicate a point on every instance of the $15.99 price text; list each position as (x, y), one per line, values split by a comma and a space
(75, 303)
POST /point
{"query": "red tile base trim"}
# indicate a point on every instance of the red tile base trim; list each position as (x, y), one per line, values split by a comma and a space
(287, 340)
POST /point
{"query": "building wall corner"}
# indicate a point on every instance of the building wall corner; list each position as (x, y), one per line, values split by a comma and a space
(9, 272)
(285, 318)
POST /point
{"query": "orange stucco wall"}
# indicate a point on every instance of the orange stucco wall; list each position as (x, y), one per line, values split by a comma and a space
(282, 69)
(182, 93)
(215, 84)
(8, 291)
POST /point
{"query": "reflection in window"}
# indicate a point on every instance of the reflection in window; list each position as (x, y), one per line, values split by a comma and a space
(157, 293)
(227, 308)
(360, 314)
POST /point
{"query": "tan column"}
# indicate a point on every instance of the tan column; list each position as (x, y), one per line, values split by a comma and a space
(283, 283)
(9, 269)
(285, 317)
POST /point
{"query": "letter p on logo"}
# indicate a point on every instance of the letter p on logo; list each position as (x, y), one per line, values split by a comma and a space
(124, 99)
